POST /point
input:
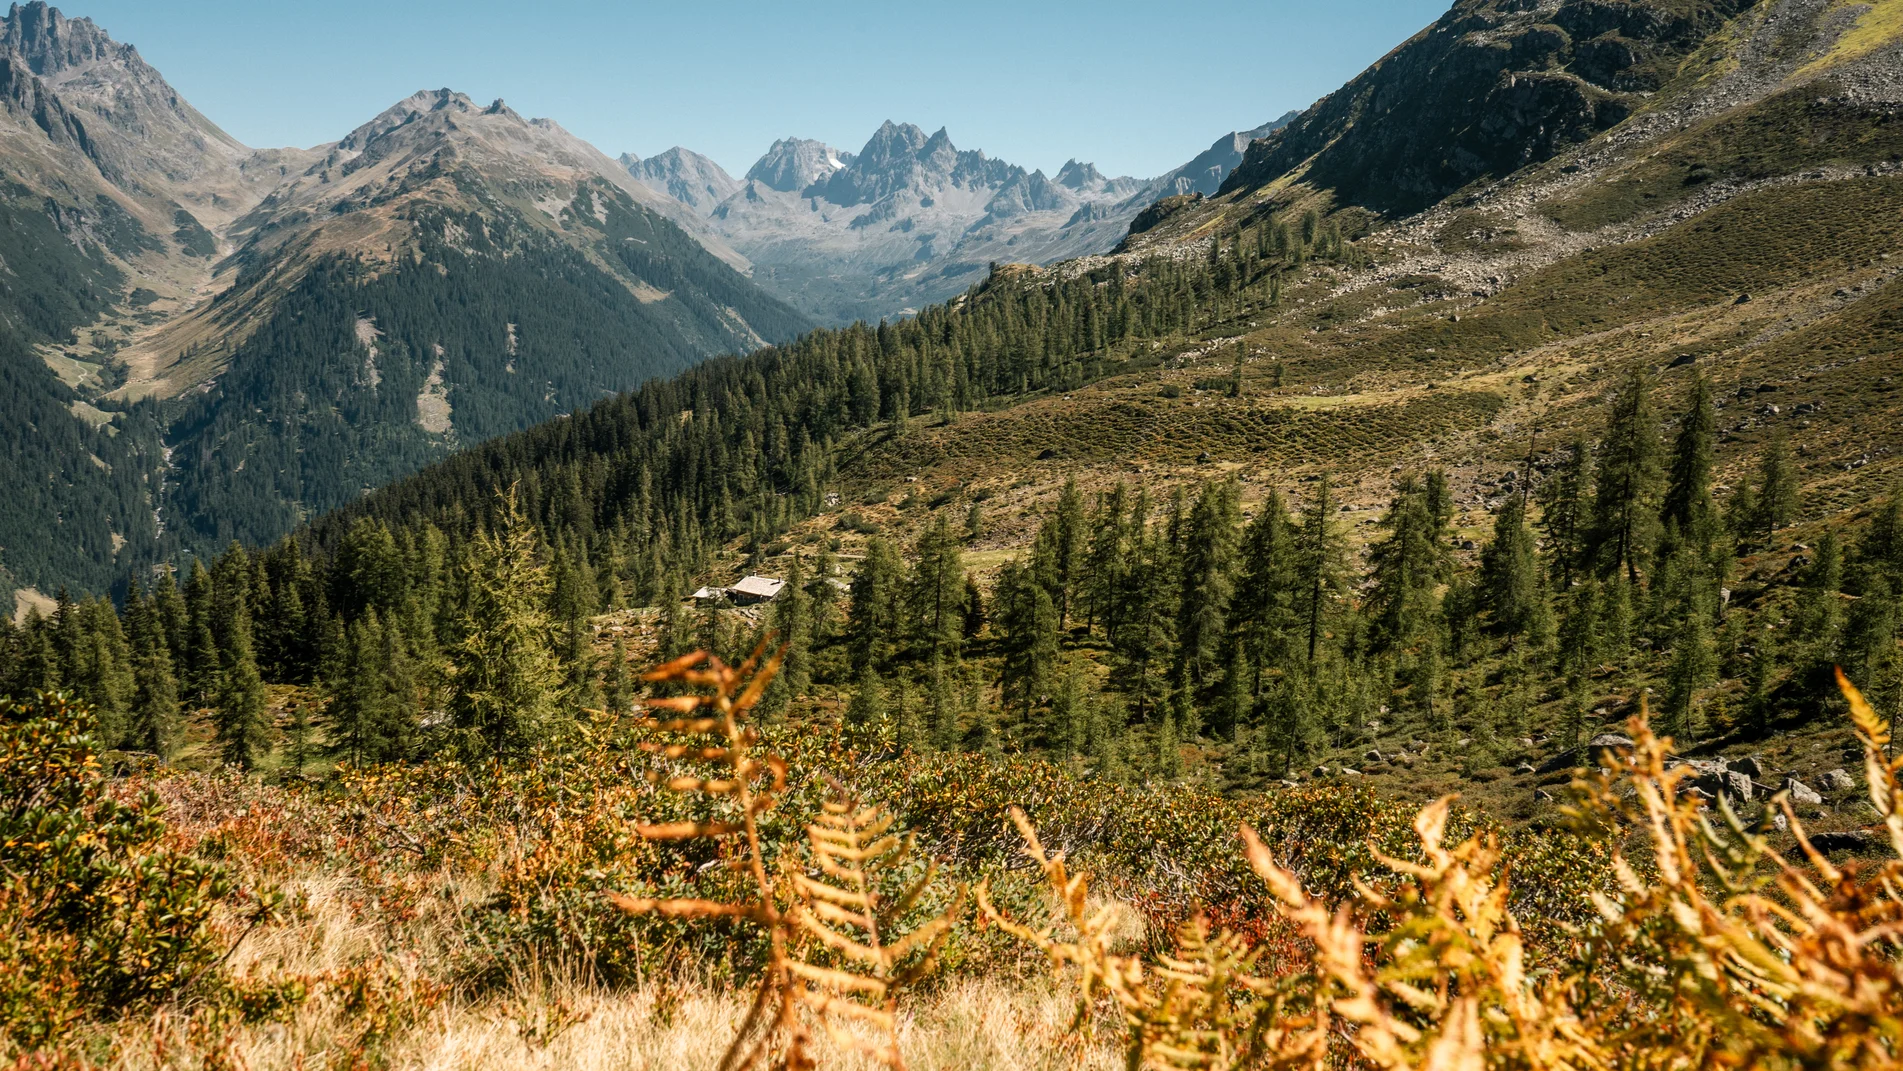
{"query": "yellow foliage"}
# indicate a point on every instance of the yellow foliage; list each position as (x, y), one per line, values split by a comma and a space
(841, 915)
(1724, 955)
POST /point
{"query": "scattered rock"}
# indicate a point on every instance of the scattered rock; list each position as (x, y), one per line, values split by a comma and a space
(1346, 772)
(1839, 781)
(1372, 756)
(1526, 742)
(1849, 840)
(1802, 793)
(1750, 766)
(1610, 740)
(1737, 786)
(1779, 822)
(1321, 771)
(1524, 768)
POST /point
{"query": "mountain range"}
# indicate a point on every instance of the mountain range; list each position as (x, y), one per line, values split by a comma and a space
(910, 218)
(206, 342)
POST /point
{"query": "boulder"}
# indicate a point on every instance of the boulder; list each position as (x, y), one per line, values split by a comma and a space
(1737, 786)
(1604, 740)
(1524, 768)
(1750, 765)
(1802, 794)
(1849, 840)
(1372, 756)
(1321, 771)
(1346, 772)
(1838, 781)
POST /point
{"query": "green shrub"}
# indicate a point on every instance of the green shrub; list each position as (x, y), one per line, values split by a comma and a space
(102, 917)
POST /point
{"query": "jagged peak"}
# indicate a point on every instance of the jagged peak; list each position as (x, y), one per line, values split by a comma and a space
(1078, 175)
(792, 164)
(50, 42)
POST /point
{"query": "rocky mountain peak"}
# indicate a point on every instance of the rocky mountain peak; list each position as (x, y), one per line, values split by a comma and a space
(896, 145)
(1080, 176)
(684, 175)
(793, 164)
(53, 44)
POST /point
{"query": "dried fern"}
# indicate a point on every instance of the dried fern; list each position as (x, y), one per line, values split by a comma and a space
(1206, 1008)
(840, 913)
(844, 911)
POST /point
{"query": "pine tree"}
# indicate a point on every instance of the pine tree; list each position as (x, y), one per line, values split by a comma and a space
(1776, 491)
(154, 724)
(1511, 597)
(237, 698)
(1760, 684)
(1027, 619)
(934, 597)
(866, 714)
(1067, 540)
(508, 681)
(617, 690)
(1818, 618)
(1625, 492)
(1209, 574)
(1566, 512)
(1693, 668)
(1407, 568)
(874, 622)
(200, 646)
(942, 702)
(1688, 509)
(1321, 570)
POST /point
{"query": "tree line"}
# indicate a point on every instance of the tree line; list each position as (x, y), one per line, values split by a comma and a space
(1130, 626)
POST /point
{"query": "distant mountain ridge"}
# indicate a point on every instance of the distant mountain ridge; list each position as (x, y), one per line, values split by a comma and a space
(911, 219)
(201, 342)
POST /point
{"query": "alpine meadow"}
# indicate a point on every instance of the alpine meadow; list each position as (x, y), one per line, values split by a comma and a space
(1418, 585)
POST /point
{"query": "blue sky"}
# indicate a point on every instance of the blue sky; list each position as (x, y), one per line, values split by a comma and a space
(1135, 88)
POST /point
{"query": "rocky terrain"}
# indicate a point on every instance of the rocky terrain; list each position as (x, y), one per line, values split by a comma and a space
(911, 219)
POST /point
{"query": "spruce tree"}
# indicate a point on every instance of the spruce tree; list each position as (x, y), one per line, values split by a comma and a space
(154, 724)
(237, 698)
(1320, 569)
(508, 681)
(1776, 491)
(1626, 486)
(1566, 513)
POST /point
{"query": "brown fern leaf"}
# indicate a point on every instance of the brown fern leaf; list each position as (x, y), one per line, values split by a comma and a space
(745, 784)
(1206, 1009)
(845, 912)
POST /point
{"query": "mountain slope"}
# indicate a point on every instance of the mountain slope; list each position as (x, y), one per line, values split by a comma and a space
(444, 273)
(1743, 225)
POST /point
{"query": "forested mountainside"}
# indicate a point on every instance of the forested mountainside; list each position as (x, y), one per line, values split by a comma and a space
(1652, 449)
(1476, 593)
(911, 219)
(206, 341)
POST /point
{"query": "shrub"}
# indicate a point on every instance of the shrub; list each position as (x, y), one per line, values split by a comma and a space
(102, 917)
